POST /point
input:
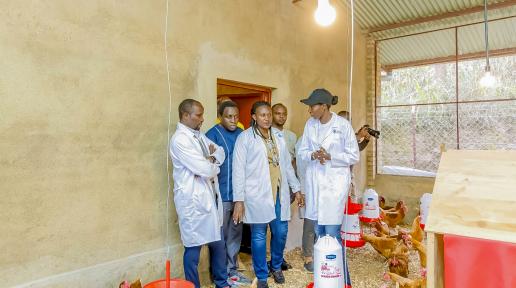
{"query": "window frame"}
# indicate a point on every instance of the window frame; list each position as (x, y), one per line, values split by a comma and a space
(457, 58)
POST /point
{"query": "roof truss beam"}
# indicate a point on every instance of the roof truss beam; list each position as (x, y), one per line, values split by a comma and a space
(446, 59)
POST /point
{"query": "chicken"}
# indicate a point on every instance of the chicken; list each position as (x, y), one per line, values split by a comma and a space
(381, 202)
(399, 264)
(381, 227)
(399, 259)
(404, 244)
(417, 233)
(394, 218)
(421, 250)
(388, 208)
(405, 282)
(383, 245)
(135, 284)
(402, 235)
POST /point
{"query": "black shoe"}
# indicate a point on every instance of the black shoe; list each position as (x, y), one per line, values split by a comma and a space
(285, 265)
(309, 267)
(262, 284)
(278, 277)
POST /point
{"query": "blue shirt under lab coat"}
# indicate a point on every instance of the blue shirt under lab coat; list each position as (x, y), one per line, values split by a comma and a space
(225, 139)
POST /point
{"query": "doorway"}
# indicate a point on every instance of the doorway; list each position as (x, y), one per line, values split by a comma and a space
(244, 95)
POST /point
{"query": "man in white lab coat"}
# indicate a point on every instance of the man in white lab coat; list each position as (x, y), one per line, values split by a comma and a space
(328, 147)
(196, 161)
(262, 174)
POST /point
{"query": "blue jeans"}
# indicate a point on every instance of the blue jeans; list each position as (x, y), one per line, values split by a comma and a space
(279, 231)
(334, 231)
(217, 263)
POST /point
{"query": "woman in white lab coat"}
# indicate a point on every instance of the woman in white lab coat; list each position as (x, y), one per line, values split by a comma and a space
(262, 174)
(196, 161)
(328, 147)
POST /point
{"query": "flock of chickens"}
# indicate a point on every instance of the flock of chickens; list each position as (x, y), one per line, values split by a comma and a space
(395, 245)
(391, 242)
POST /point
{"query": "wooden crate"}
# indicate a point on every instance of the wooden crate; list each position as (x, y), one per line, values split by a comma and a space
(474, 196)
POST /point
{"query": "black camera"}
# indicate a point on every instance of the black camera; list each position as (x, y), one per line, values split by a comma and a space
(372, 132)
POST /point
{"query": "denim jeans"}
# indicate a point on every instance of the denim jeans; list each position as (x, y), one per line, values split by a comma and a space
(334, 231)
(279, 231)
(217, 263)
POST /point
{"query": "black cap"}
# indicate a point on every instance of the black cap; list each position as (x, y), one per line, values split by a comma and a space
(320, 96)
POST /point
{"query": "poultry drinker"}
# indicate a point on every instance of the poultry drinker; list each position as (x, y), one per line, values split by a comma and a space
(351, 231)
(371, 209)
(424, 206)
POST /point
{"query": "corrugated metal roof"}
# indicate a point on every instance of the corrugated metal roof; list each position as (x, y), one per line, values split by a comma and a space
(377, 13)
(432, 45)
(417, 47)
(371, 14)
(445, 23)
(502, 34)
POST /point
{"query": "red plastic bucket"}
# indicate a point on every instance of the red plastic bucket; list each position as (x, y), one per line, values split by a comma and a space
(174, 283)
(169, 283)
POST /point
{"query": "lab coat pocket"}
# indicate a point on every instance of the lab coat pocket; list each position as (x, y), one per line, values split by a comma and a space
(183, 202)
(202, 198)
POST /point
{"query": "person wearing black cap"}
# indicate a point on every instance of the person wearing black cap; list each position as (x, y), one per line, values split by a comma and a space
(328, 147)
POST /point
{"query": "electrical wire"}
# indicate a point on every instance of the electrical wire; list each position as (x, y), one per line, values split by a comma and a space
(486, 35)
(352, 56)
(352, 4)
(167, 240)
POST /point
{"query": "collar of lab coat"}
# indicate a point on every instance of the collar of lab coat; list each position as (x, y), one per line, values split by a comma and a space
(183, 127)
(332, 123)
(332, 119)
(277, 132)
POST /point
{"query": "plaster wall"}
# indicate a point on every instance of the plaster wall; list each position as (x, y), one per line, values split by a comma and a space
(85, 118)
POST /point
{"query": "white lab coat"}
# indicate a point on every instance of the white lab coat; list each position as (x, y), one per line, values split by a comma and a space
(251, 177)
(326, 186)
(300, 165)
(199, 219)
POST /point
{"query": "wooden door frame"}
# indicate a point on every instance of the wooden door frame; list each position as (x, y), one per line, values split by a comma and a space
(265, 90)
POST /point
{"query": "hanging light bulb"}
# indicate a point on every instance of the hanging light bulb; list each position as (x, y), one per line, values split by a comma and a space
(488, 80)
(325, 14)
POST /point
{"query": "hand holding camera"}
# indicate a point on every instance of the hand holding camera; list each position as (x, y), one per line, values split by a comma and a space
(366, 132)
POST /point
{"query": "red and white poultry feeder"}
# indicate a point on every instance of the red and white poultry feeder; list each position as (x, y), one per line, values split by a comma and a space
(351, 231)
(371, 210)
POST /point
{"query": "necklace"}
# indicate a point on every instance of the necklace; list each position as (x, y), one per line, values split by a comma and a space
(272, 148)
